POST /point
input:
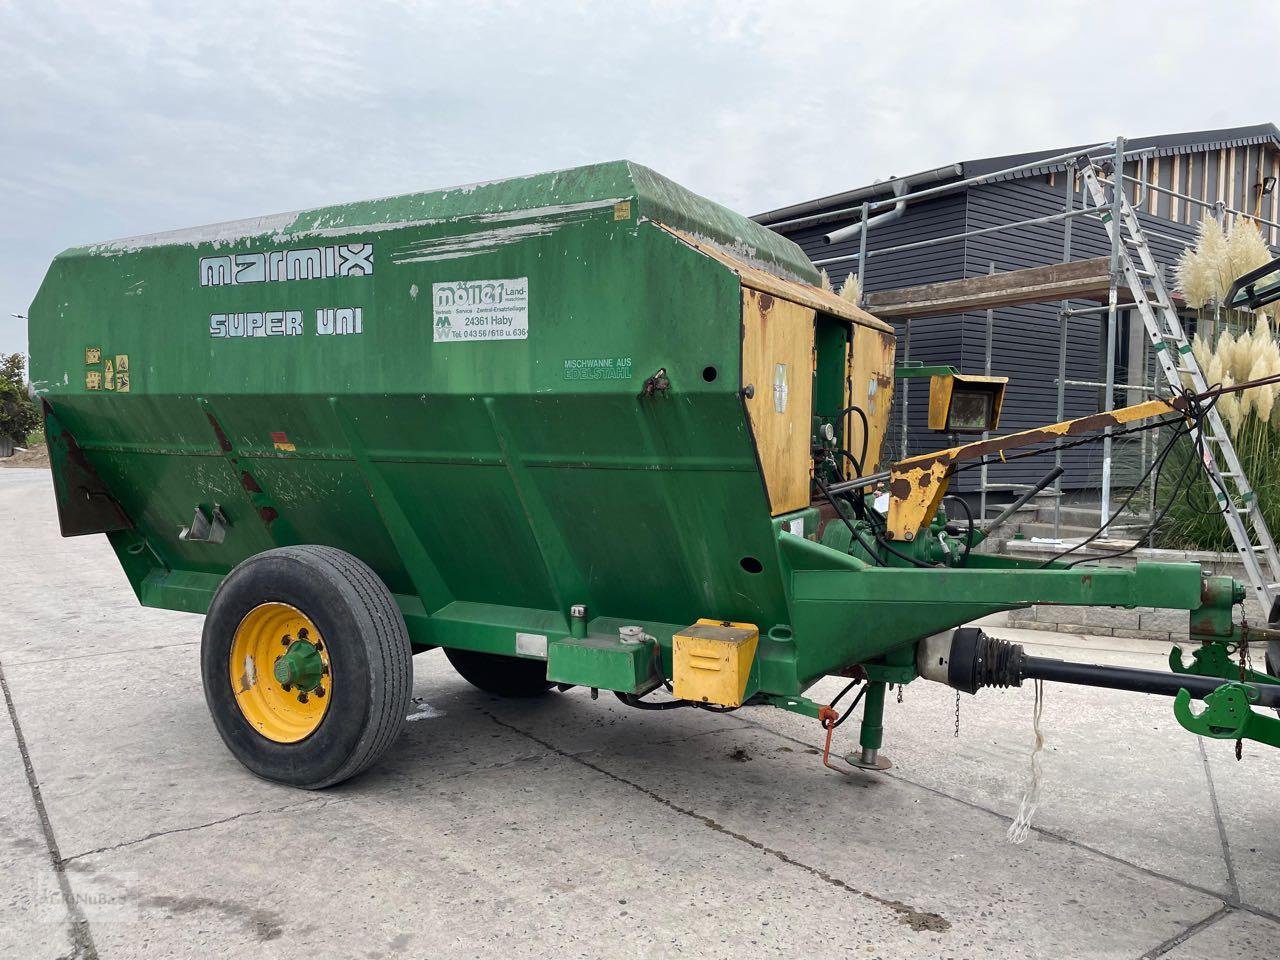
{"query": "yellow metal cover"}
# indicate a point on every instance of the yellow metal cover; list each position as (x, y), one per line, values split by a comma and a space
(943, 388)
(711, 661)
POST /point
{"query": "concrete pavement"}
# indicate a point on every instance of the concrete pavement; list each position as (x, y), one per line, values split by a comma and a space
(565, 827)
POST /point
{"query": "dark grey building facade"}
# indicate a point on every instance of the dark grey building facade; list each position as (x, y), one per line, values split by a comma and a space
(1230, 166)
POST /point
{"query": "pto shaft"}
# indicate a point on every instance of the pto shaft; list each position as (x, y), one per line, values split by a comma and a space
(1159, 682)
(968, 659)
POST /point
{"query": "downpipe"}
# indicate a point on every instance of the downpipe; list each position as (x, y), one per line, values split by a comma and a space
(968, 659)
(900, 189)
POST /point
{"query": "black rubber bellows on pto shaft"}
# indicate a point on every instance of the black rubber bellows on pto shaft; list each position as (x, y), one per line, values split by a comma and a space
(978, 661)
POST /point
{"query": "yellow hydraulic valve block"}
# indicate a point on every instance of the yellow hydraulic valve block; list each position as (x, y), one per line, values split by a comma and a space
(711, 661)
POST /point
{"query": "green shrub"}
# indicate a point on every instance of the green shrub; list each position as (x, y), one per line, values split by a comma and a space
(19, 415)
(1194, 521)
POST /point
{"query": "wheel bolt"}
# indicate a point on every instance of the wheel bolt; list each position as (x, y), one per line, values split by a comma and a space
(302, 697)
(286, 687)
(285, 640)
(318, 691)
(302, 633)
(319, 645)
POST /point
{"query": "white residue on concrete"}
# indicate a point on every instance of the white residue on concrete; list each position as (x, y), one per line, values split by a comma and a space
(423, 711)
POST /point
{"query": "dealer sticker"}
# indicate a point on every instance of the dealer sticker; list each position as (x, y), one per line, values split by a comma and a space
(481, 310)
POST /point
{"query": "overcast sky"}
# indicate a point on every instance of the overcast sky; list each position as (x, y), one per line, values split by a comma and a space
(121, 118)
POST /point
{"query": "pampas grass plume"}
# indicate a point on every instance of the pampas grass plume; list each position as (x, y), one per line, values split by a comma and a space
(851, 289)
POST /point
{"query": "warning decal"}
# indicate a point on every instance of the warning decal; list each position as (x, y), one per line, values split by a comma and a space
(481, 310)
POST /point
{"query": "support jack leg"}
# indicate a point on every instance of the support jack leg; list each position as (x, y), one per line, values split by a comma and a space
(871, 736)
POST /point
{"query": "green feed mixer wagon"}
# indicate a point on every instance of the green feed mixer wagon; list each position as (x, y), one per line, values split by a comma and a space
(583, 428)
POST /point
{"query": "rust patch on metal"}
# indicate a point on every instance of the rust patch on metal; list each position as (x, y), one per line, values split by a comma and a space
(266, 513)
(900, 488)
(249, 677)
(223, 442)
(766, 302)
(1203, 627)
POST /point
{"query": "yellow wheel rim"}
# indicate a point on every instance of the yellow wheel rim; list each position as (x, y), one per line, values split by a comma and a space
(280, 672)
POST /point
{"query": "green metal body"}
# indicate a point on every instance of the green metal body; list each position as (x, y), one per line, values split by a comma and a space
(492, 483)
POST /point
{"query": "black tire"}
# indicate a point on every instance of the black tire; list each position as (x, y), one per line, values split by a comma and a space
(499, 675)
(367, 643)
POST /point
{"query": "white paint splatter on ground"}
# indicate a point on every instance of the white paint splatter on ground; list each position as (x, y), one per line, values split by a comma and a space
(423, 711)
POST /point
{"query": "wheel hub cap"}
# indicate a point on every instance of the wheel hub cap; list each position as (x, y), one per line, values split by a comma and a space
(280, 672)
(300, 666)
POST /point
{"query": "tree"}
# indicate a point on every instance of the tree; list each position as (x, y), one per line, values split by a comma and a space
(18, 412)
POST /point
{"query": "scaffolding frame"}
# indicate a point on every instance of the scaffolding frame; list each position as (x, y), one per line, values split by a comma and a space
(1075, 205)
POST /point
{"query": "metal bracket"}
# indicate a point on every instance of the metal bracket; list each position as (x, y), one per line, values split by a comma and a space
(206, 528)
(1214, 660)
(1227, 716)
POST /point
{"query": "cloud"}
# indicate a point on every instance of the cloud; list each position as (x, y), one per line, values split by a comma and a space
(132, 117)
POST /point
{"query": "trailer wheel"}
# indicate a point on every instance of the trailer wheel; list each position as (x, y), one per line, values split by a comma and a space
(502, 676)
(306, 665)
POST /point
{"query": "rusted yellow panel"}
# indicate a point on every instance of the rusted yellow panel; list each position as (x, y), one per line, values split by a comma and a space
(942, 387)
(939, 401)
(870, 386)
(915, 493)
(711, 661)
(777, 375)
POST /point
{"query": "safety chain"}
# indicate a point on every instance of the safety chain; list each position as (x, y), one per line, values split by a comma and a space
(957, 733)
(1245, 667)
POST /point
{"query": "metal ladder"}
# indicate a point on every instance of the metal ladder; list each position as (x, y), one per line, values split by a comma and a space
(1234, 494)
